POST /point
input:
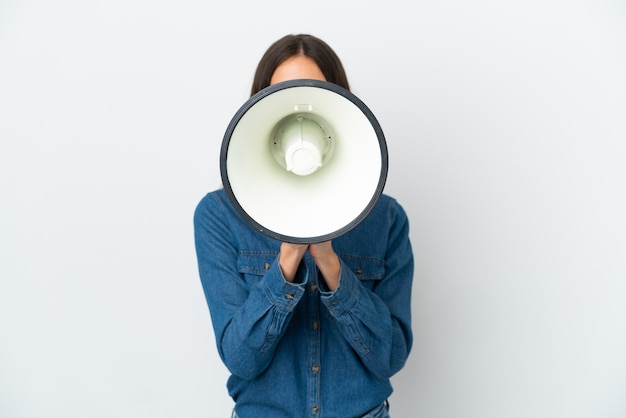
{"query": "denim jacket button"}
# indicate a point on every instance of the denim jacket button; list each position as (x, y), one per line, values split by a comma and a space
(267, 266)
(289, 296)
(315, 409)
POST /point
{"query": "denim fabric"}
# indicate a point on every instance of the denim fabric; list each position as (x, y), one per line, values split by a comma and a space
(297, 349)
(381, 411)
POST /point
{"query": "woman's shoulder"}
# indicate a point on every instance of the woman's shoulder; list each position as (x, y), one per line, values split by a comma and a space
(214, 196)
(389, 205)
(213, 201)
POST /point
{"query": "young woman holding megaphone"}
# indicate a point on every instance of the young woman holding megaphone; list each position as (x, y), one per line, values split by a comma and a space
(306, 265)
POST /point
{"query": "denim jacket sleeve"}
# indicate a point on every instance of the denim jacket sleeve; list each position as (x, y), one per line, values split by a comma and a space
(376, 321)
(248, 318)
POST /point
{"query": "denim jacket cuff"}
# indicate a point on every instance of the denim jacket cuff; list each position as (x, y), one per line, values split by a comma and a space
(283, 292)
(345, 295)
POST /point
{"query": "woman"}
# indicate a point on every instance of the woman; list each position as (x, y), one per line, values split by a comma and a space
(307, 330)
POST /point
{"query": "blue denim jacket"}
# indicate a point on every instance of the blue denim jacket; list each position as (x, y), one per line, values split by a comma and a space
(297, 349)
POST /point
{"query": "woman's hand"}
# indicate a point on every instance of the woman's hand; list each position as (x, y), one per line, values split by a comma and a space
(323, 254)
(289, 259)
(328, 262)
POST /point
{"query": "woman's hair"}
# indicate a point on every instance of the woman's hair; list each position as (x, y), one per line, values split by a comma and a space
(302, 44)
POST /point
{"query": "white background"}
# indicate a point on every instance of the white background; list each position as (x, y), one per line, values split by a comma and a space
(506, 127)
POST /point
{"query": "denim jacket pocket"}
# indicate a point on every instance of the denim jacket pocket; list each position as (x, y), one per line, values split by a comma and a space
(252, 264)
(368, 270)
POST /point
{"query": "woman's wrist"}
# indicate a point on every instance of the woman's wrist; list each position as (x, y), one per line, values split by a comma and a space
(327, 262)
(289, 259)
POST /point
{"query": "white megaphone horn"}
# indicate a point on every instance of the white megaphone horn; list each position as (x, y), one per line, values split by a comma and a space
(304, 161)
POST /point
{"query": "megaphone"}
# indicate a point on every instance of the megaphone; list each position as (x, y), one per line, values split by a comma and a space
(303, 161)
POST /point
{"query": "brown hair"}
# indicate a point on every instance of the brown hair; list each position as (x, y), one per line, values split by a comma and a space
(302, 44)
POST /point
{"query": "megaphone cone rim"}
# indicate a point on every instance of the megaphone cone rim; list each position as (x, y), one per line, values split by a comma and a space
(303, 83)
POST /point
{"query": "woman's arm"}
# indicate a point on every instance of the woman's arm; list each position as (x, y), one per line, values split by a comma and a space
(249, 314)
(377, 322)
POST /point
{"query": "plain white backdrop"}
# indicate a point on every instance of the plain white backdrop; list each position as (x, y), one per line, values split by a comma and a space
(506, 127)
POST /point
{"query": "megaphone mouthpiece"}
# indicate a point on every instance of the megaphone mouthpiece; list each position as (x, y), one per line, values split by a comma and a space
(300, 145)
